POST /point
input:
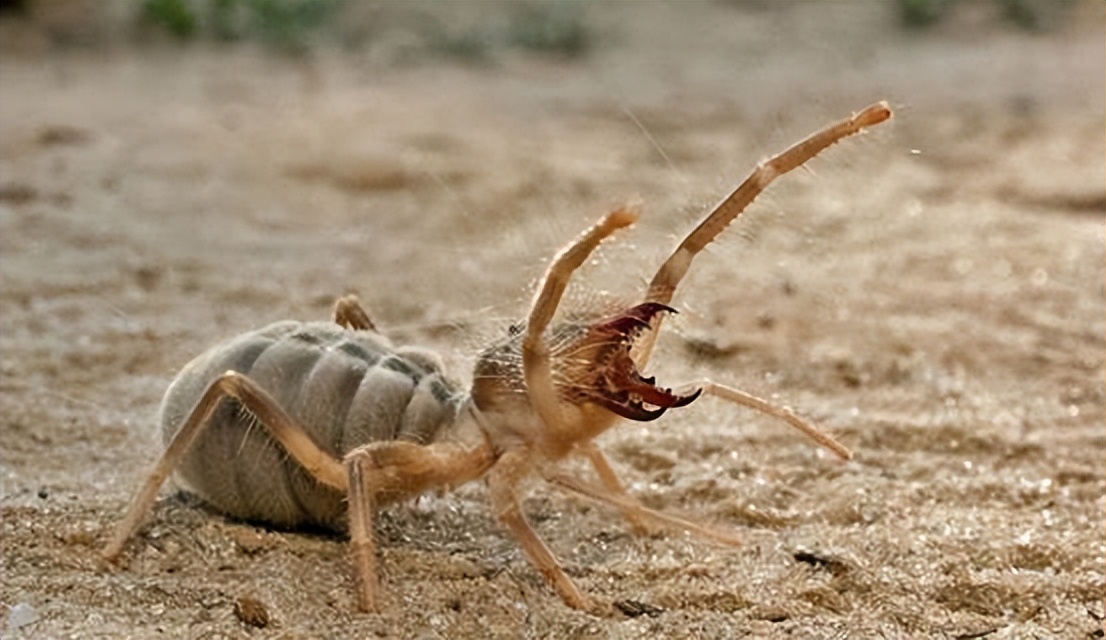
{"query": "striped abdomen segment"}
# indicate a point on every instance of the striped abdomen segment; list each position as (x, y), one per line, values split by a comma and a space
(346, 388)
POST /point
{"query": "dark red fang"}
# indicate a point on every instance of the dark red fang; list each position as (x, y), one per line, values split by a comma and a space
(628, 392)
(636, 411)
(634, 319)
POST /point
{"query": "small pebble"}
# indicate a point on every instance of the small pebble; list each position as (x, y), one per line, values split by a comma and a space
(250, 611)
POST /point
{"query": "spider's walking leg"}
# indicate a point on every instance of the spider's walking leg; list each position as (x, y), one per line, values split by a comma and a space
(504, 477)
(284, 429)
(349, 313)
(612, 484)
(383, 472)
(634, 511)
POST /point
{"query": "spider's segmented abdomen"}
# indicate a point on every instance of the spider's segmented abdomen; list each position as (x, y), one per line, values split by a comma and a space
(345, 388)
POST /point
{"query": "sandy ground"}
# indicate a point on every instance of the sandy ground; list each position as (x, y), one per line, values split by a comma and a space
(931, 292)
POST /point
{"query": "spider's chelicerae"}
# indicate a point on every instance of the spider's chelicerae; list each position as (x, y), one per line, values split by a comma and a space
(350, 422)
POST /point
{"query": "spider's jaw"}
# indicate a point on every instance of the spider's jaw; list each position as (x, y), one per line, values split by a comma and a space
(610, 377)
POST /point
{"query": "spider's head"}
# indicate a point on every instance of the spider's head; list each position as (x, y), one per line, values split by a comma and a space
(596, 365)
(592, 363)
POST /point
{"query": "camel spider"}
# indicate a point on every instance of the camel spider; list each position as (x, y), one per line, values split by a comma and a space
(351, 422)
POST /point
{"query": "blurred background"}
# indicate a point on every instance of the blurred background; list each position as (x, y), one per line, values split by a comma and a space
(472, 30)
(175, 172)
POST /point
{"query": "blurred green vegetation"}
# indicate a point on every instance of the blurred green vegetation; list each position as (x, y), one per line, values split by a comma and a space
(545, 26)
(1031, 15)
(174, 15)
(478, 31)
(289, 25)
(555, 27)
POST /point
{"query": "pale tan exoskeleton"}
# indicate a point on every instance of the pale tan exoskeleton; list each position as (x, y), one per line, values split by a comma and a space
(336, 421)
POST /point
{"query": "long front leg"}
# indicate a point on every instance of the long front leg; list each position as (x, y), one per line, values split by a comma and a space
(284, 429)
(783, 413)
(384, 472)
